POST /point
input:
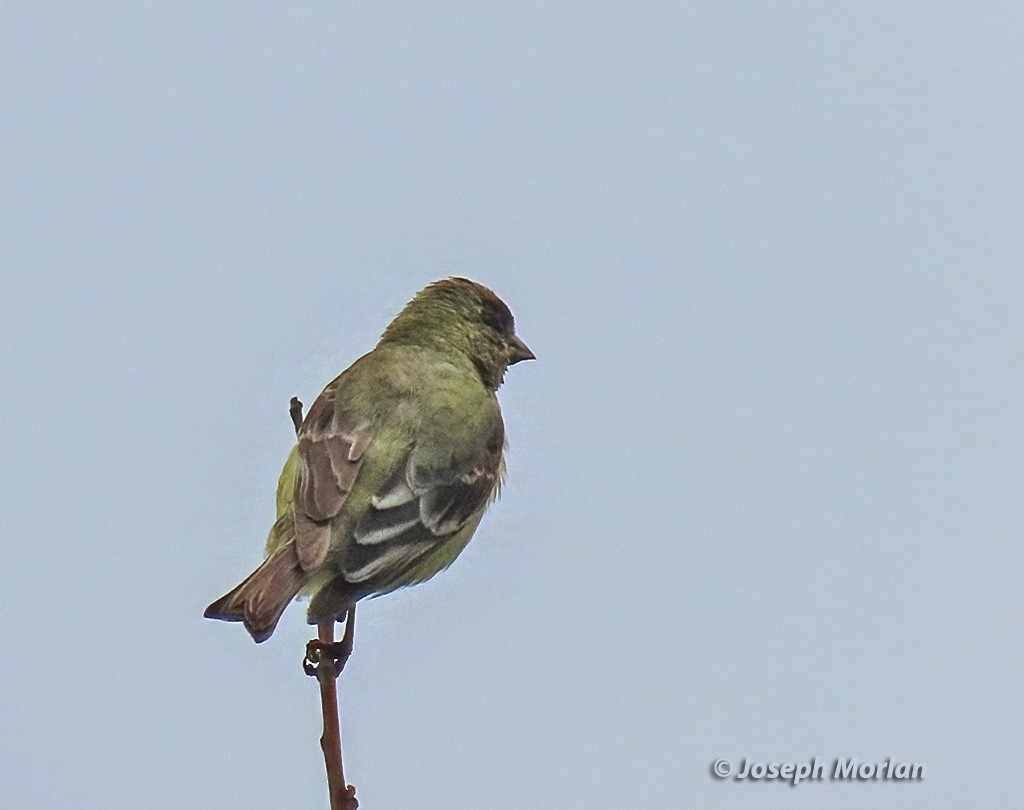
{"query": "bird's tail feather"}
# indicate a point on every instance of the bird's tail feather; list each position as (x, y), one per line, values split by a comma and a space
(262, 597)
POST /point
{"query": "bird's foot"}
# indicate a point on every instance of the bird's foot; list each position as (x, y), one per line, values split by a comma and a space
(319, 653)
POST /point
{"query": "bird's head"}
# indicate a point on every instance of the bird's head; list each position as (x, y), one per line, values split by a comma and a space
(459, 315)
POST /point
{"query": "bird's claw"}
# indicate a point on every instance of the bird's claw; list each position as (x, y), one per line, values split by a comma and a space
(319, 652)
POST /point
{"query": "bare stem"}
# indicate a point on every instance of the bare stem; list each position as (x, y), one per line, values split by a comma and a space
(343, 796)
(295, 411)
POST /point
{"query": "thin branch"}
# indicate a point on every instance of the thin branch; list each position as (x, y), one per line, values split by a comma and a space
(331, 660)
(295, 411)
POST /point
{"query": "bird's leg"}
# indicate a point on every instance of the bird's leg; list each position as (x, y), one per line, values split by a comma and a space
(337, 652)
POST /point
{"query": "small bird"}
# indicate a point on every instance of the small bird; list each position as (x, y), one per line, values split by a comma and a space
(394, 465)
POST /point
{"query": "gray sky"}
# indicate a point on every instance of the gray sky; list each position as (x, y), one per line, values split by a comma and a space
(765, 493)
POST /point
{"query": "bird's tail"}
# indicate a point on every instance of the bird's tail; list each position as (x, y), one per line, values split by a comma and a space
(262, 597)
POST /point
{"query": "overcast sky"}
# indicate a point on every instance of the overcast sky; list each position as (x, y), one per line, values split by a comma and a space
(766, 489)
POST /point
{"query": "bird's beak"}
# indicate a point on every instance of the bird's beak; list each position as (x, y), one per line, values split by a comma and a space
(519, 351)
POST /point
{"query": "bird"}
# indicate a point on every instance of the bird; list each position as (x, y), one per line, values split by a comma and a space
(393, 465)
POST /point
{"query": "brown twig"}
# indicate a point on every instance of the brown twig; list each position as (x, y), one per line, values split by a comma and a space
(328, 659)
(295, 411)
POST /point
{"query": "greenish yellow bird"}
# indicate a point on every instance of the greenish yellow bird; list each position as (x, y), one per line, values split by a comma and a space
(394, 465)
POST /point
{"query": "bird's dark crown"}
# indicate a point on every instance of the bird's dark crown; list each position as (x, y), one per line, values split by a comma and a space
(457, 314)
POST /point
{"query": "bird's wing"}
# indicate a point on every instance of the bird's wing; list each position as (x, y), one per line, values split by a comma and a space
(330, 453)
(420, 507)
